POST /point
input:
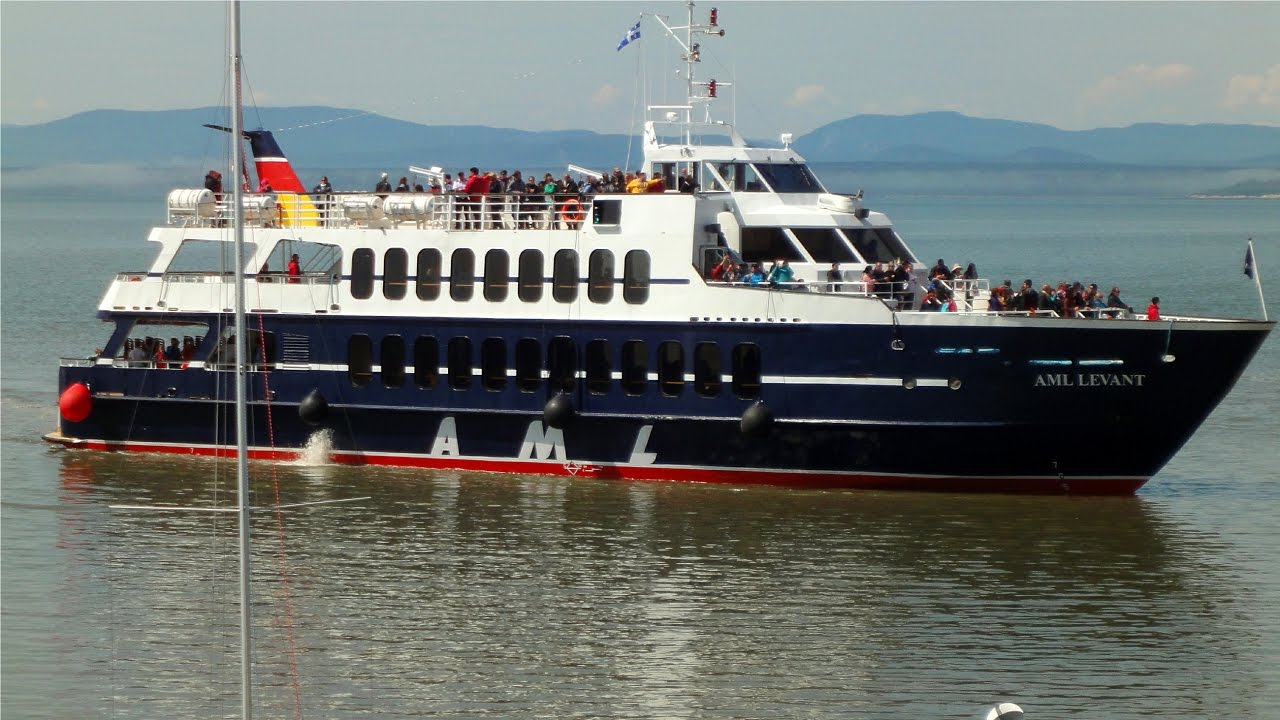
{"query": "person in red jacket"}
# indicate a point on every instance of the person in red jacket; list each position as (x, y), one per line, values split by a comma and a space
(1153, 310)
(475, 187)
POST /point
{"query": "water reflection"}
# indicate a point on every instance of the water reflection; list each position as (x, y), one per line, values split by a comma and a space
(465, 595)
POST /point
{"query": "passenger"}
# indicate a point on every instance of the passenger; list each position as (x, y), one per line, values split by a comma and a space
(971, 272)
(686, 183)
(930, 301)
(475, 186)
(417, 187)
(1114, 301)
(435, 188)
(722, 268)
(1028, 298)
(656, 185)
(133, 351)
(618, 181)
(188, 349)
(213, 183)
(997, 301)
(755, 277)
(383, 188)
(883, 281)
(403, 185)
(1153, 310)
(295, 270)
(902, 285)
(834, 278)
(173, 352)
(637, 184)
(264, 185)
(939, 270)
(780, 274)
(868, 280)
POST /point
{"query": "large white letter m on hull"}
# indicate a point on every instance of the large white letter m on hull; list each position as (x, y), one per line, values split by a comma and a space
(542, 444)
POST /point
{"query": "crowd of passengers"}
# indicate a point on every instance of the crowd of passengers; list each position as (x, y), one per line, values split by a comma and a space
(475, 182)
(153, 350)
(893, 282)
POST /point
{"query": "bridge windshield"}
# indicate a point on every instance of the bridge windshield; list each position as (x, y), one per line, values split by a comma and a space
(789, 177)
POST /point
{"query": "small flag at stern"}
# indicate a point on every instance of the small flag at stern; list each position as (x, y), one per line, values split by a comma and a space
(632, 35)
(1248, 260)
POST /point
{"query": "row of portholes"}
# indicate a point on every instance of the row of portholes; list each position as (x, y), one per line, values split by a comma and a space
(496, 280)
(560, 366)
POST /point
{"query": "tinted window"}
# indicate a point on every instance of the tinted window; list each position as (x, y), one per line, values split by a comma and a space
(462, 274)
(530, 281)
(360, 360)
(635, 277)
(635, 367)
(562, 363)
(600, 276)
(746, 371)
(599, 369)
(878, 245)
(789, 177)
(426, 362)
(496, 275)
(392, 360)
(428, 274)
(493, 363)
(564, 276)
(766, 244)
(706, 369)
(362, 273)
(395, 273)
(825, 245)
(460, 363)
(671, 368)
(528, 364)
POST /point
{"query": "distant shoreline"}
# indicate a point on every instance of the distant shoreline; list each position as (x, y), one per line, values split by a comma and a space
(1214, 196)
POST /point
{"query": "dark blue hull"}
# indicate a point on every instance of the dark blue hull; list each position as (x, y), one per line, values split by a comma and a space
(1044, 405)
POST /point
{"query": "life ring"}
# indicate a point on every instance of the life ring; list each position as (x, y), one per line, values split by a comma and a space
(571, 212)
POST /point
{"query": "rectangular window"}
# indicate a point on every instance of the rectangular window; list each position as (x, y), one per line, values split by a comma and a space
(878, 245)
(462, 274)
(531, 278)
(606, 212)
(671, 368)
(460, 363)
(395, 273)
(428, 274)
(599, 369)
(635, 277)
(706, 369)
(392, 359)
(496, 275)
(600, 276)
(564, 276)
(824, 245)
(426, 362)
(562, 363)
(528, 364)
(746, 371)
(259, 347)
(362, 273)
(493, 363)
(635, 367)
(766, 244)
(360, 360)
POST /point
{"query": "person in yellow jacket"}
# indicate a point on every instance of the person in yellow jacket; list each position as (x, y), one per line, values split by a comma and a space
(638, 184)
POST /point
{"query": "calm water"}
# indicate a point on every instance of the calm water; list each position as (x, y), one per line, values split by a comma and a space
(469, 596)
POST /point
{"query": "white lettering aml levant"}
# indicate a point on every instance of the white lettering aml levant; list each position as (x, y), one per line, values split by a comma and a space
(1089, 380)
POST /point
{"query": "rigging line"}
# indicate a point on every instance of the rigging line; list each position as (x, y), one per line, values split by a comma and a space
(282, 558)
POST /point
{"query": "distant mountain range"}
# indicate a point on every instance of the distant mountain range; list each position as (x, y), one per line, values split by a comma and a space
(338, 137)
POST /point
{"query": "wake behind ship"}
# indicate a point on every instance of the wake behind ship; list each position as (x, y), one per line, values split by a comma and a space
(591, 331)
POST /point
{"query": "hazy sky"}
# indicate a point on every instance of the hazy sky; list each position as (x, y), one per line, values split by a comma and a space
(553, 65)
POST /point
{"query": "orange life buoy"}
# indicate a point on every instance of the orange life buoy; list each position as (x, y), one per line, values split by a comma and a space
(571, 211)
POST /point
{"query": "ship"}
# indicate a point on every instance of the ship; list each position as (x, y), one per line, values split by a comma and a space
(594, 334)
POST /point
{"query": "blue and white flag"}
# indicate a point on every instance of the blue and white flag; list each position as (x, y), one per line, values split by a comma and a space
(632, 35)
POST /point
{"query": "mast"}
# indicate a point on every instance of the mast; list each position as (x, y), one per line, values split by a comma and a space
(242, 450)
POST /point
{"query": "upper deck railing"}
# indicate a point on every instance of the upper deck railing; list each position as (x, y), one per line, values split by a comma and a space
(449, 211)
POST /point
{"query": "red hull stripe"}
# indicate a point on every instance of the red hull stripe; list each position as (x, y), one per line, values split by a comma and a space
(656, 473)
